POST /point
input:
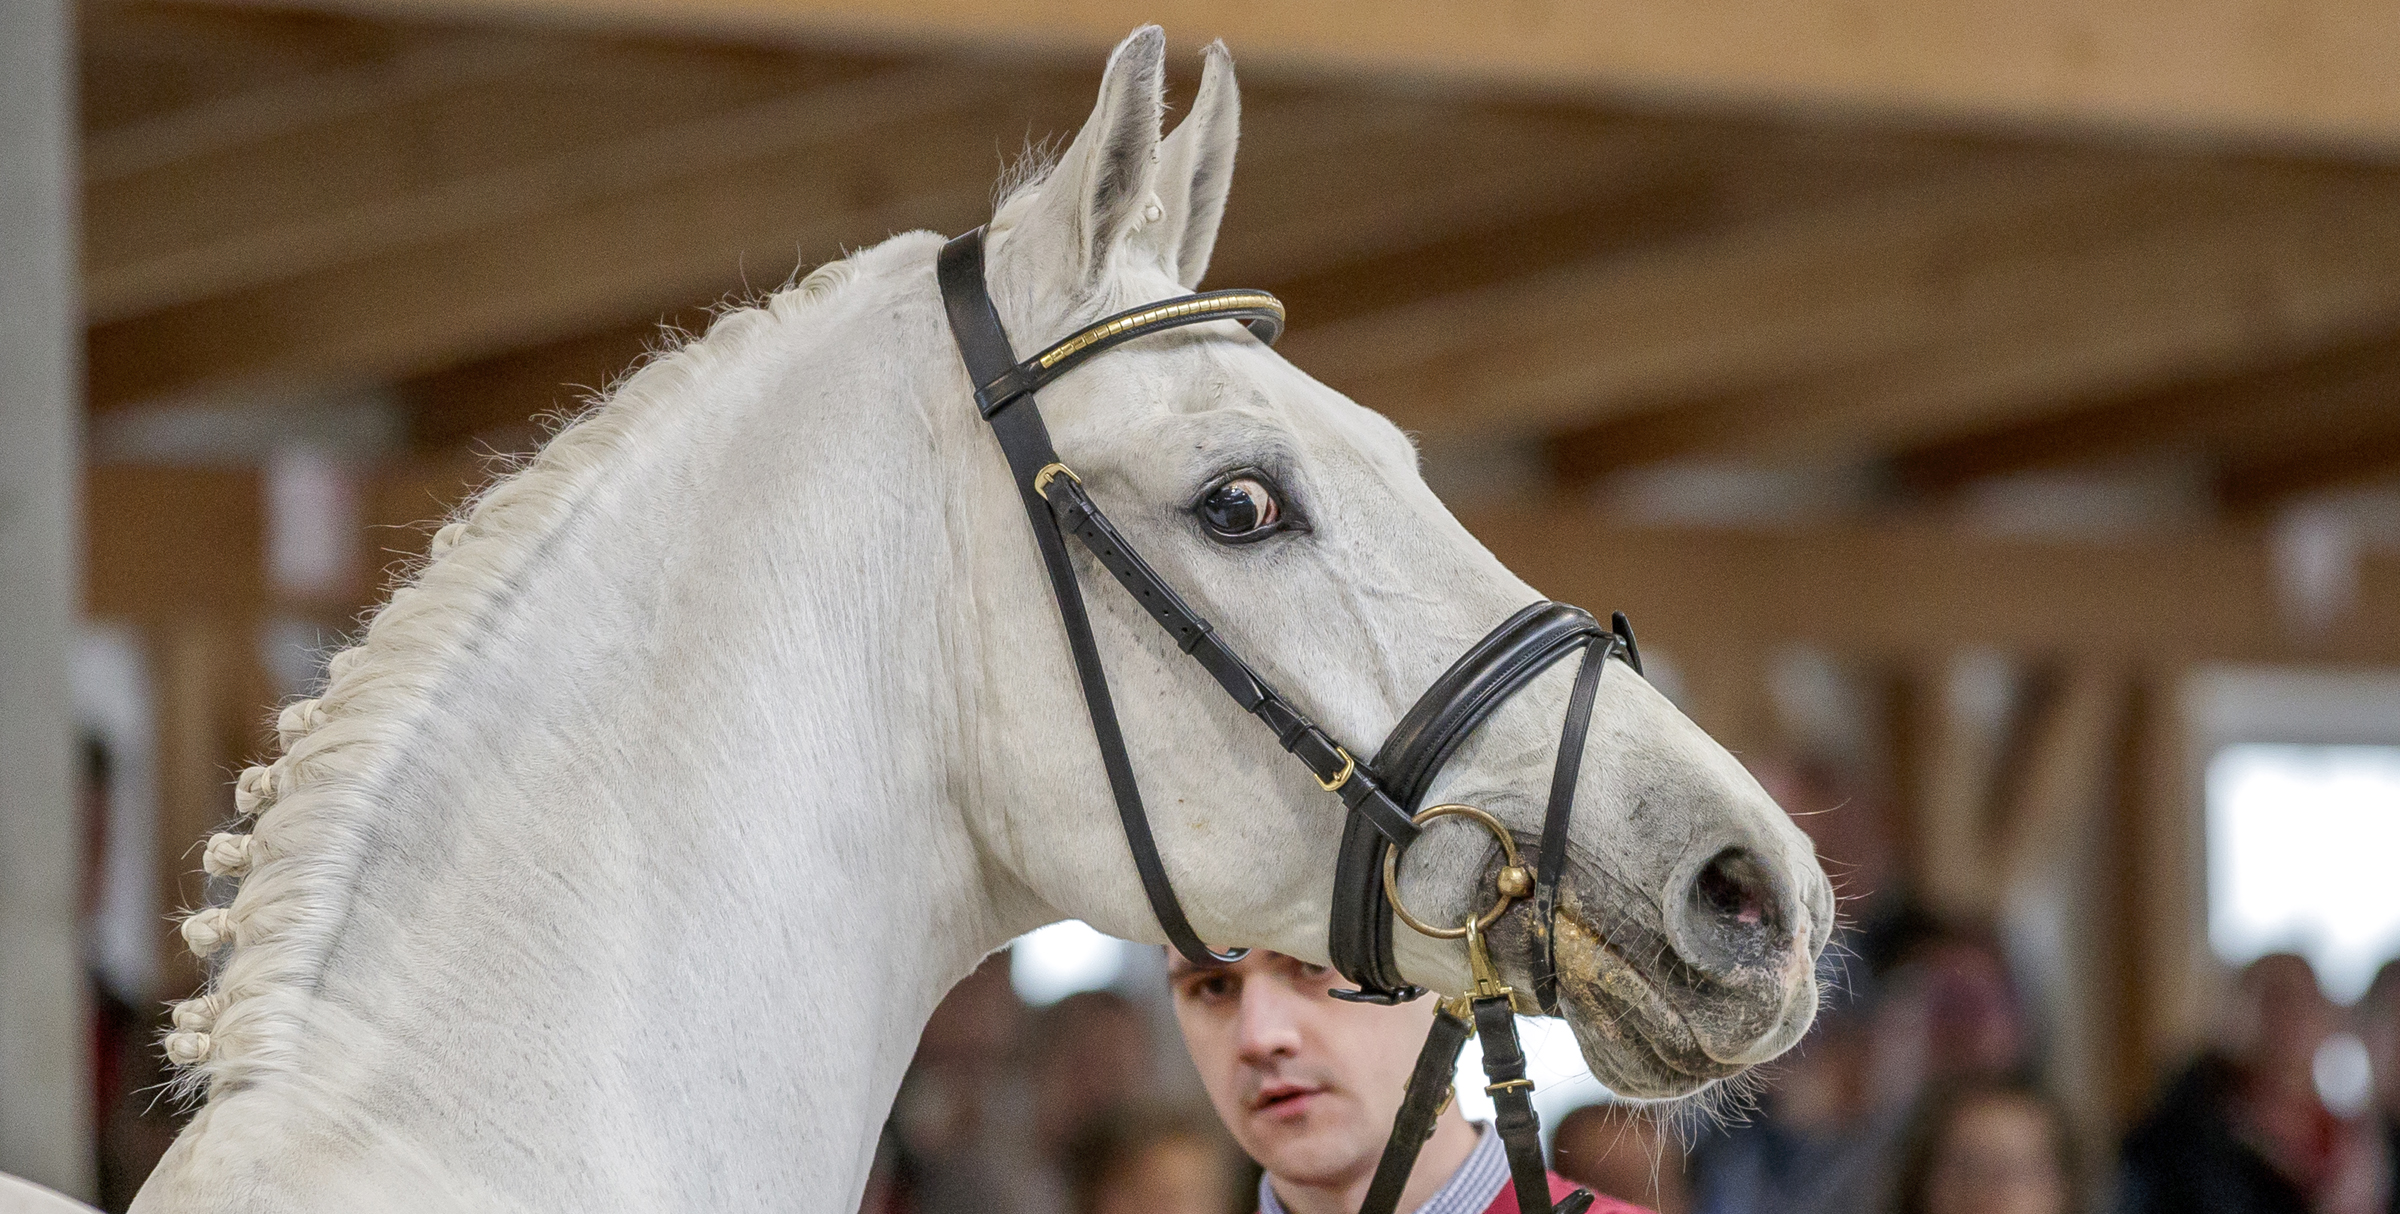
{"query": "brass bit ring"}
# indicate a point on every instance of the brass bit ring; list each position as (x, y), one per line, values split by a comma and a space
(1514, 881)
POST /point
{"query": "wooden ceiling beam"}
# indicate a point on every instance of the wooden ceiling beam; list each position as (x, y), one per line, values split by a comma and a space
(289, 104)
(1886, 590)
(1443, 190)
(497, 401)
(2259, 416)
(2320, 76)
(2254, 482)
(1332, 209)
(1325, 180)
(1848, 270)
(747, 202)
(2208, 269)
(484, 136)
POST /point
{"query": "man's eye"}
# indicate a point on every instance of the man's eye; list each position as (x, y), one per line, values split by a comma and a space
(1242, 508)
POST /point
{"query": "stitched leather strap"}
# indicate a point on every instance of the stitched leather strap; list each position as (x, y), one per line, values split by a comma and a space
(1327, 760)
(1507, 658)
(983, 345)
(1420, 1110)
(1552, 866)
(1512, 1102)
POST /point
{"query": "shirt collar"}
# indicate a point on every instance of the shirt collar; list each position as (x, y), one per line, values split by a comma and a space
(1470, 1190)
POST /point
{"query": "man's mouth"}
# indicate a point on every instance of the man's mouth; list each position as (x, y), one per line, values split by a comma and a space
(1284, 1099)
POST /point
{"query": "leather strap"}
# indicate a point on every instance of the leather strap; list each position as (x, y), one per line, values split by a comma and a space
(1507, 658)
(1618, 624)
(1428, 1094)
(1326, 759)
(1512, 1102)
(1552, 866)
(983, 345)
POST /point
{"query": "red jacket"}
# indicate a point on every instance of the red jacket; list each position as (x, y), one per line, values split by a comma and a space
(1560, 1186)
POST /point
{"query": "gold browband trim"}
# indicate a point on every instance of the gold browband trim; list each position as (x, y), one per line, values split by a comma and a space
(1239, 301)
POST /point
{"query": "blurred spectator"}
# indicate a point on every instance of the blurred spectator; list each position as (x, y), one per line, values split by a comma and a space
(1948, 1012)
(1940, 1008)
(1809, 1147)
(1089, 1053)
(2242, 1130)
(2379, 1026)
(1152, 1161)
(1848, 823)
(1986, 1146)
(1623, 1151)
(959, 1128)
(990, 1108)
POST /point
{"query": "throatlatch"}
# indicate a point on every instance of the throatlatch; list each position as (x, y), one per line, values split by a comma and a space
(1380, 797)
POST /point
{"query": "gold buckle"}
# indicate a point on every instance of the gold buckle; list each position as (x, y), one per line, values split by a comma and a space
(1488, 984)
(1041, 479)
(1349, 765)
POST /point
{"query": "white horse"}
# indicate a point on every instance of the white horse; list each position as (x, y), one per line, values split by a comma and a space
(622, 863)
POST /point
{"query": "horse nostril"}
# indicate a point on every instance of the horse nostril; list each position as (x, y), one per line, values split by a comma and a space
(1728, 893)
(1733, 913)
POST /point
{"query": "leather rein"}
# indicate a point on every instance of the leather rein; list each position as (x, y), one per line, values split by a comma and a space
(1382, 797)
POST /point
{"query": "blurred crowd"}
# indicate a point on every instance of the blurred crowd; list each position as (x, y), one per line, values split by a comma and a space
(1920, 1091)
(1924, 1088)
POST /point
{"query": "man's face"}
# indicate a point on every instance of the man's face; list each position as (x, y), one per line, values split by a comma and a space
(1307, 1083)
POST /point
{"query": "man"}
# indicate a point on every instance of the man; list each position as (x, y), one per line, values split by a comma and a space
(1309, 1085)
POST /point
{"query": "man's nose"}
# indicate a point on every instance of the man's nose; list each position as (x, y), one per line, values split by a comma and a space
(1269, 1023)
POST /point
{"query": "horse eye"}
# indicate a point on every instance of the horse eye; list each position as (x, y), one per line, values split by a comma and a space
(1241, 509)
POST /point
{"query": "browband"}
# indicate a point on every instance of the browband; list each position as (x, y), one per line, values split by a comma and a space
(1260, 312)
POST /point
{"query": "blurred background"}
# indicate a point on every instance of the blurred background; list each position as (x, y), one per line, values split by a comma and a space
(1989, 413)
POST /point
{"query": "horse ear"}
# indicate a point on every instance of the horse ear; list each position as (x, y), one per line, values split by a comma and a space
(1104, 181)
(1195, 169)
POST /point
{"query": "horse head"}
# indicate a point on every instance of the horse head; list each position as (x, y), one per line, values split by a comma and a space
(1693, 912)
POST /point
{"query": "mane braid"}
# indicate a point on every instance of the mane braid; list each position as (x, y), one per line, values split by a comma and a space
(314, 809)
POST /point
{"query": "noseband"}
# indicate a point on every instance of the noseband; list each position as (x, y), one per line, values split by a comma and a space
(1382, 797)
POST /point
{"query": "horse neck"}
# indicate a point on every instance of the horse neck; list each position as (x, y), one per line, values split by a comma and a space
(665, 882)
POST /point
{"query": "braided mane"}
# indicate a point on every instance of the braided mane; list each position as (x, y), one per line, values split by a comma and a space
(308, 816)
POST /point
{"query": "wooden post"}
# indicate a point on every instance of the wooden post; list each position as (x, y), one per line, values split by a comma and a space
(2155, 880)
(45, 1119)
(203, 673)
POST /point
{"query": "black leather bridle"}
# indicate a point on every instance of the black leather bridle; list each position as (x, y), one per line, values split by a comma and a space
(1382, 797)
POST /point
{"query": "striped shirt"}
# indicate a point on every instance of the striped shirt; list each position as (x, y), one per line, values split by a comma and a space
(1472, 1188)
